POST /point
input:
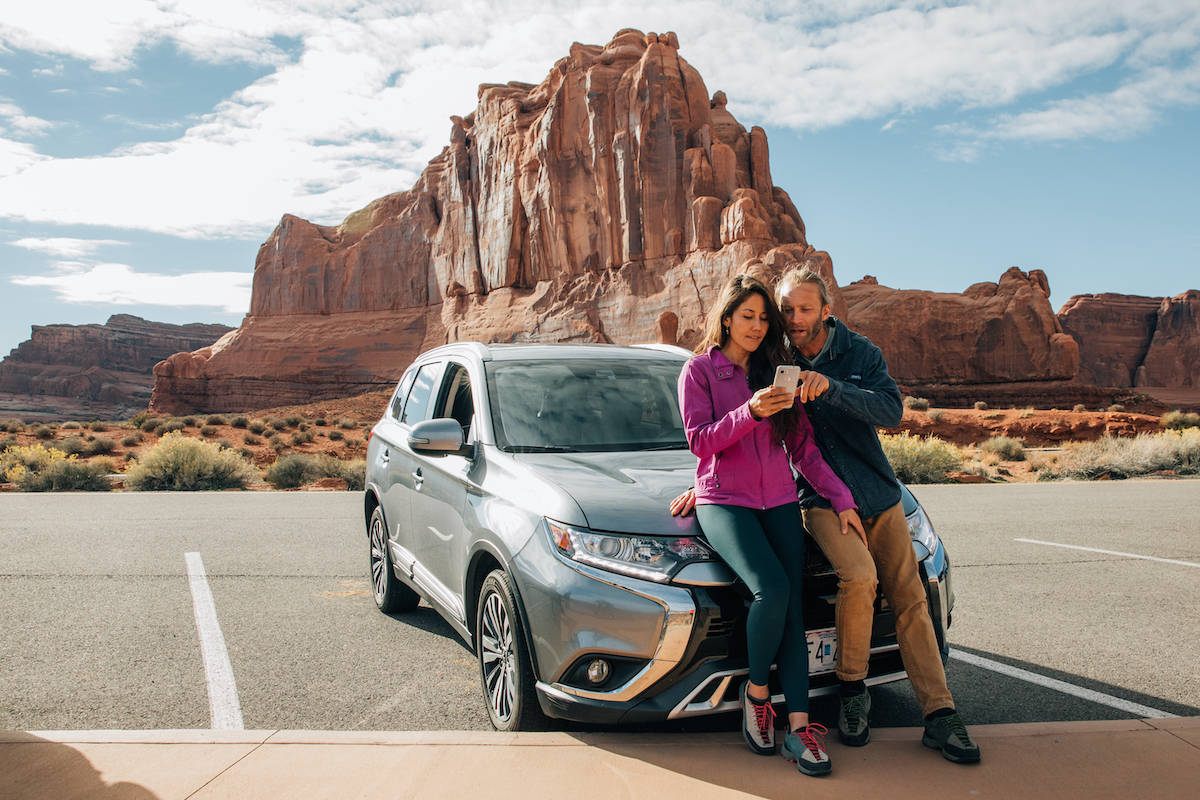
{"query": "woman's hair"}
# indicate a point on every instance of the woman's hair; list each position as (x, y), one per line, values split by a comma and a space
(771, 352)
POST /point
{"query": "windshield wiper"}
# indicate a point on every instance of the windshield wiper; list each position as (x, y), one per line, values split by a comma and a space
(671, 446)
(539, 448)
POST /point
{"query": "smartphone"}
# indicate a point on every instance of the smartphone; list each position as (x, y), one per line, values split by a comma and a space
(787, 378)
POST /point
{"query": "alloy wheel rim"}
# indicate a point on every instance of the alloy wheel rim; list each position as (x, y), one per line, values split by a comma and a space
(497, 657)
(378, 559)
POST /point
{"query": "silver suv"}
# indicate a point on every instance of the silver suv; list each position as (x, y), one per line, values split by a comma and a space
(523, 492)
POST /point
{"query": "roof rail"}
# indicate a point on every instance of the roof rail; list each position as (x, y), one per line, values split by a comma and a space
(666, 348)
(478, 349)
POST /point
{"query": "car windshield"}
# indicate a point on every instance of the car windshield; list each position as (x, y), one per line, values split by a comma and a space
(594, 404)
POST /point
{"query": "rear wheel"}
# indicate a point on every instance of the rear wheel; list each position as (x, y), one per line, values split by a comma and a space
(391, 595)
(505, 671)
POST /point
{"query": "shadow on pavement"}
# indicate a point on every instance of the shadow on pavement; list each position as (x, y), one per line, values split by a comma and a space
(32, 768)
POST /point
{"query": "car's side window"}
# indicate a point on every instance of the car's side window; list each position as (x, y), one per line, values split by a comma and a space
(406, 383)
(416, 407)
(455, 401)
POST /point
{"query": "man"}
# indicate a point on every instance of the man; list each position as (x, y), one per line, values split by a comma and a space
(847, 393)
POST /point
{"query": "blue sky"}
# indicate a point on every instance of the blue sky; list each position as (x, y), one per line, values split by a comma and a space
(147, 148)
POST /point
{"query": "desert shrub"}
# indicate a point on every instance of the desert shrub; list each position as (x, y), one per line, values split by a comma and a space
(132, 440)
(353, 443)
(1178, 420)
(1128, 457)
(347, 424)
(1026, 413)
(1079, 407)
(247, 454)
(214, 419)
(11, 426)
(189, 422)
(335, 435)
(224, 443)
(152, 424)
(291, 471)
(44, 432)
(72, 445)
(1116, 407)
(208, 430)
(70, 426)
(1043, 462)
(174, 426)
(181, 463)
(257, 426)
(300, 437)
(250, 438)
(916, 403)
(920, 460)
(936, 414)
(7, 442)
(980, 405)
(1008, 448)
(354, 473)
(130, 456)
(98, 426)
(992, 415)
(304, 426)
(294, 420)
(320, 422)
(137, 420)
(102, 446)
(239, 422)
(276, 442)
(278, 423)
(40, 469)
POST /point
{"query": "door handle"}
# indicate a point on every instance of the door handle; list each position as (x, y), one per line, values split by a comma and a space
(385, 456)
(417, 479)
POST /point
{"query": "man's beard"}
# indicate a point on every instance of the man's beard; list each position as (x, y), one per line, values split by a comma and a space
(807, 339)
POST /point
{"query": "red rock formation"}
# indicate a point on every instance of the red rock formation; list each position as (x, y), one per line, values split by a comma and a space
(991, 333)
(108, 366)
(608, 203)
(1174, 356)
(1114, 333)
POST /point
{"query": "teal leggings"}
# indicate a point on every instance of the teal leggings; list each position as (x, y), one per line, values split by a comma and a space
(766, 550)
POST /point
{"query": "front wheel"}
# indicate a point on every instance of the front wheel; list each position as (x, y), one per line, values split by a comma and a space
(391, 595)
(505, 671)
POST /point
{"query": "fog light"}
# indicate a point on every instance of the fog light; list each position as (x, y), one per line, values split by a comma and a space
(597, 671)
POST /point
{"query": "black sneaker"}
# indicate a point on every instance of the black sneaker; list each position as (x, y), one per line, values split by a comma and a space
(806, 749)
(758, 724)
(853, 729)
(949, 734)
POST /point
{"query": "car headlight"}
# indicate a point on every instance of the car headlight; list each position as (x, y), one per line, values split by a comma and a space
(922, 533)
(652, 558)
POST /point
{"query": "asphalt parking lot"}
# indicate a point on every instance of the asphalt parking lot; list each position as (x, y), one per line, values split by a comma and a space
(101, 629)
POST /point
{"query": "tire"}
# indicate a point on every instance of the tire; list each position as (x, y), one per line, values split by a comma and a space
(391, 594)
(505, 671)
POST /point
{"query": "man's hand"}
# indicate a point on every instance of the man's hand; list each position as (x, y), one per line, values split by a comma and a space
(682, 506)
(850, 519)
(812, 386)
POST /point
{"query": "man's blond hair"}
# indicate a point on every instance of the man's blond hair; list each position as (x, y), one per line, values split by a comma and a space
(794, 276)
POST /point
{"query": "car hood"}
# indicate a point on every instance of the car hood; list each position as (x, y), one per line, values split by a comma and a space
(628, 492)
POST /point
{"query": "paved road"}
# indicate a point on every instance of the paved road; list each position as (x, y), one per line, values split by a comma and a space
(98, 628)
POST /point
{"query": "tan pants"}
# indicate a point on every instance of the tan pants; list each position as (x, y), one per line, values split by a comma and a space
(890, 565)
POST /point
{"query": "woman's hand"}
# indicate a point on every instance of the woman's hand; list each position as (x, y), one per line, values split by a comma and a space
(770, 400)
(682, 506)
(850, 519)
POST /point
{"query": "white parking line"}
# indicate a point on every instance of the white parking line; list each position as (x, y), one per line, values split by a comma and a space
(1109, 552)
(225, 711)
(1145, 712)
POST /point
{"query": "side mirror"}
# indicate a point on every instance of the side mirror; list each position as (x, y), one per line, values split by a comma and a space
(439, 437)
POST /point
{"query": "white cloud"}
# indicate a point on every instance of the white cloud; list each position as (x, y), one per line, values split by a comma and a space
(19, 123)
(66, 248)
(363, 100)
(119, 284)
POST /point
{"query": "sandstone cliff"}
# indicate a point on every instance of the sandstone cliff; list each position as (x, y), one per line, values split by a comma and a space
(608, 203)
(991, 333)
(1127, 340)
(108, 366)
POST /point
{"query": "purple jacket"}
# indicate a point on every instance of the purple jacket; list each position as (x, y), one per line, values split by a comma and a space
(741, 463)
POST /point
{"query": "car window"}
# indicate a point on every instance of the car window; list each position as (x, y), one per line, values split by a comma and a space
(416, 407)
(455, 399)
(397, 407)
(603, 404)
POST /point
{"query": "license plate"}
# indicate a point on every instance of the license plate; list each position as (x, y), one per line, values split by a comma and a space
(822, 651)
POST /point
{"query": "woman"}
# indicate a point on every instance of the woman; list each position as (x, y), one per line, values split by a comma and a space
(747, 435)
